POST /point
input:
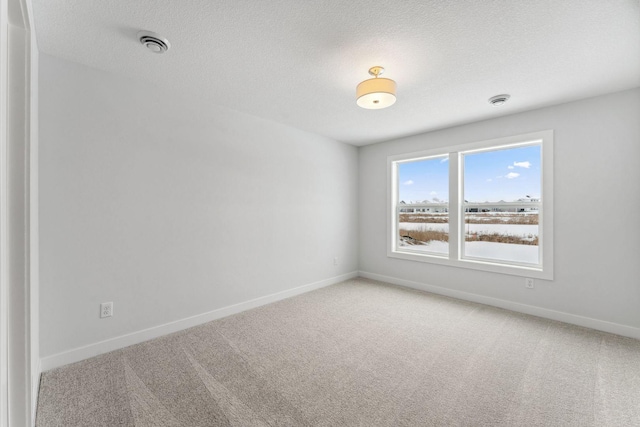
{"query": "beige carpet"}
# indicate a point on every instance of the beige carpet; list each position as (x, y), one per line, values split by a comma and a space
(360, 353)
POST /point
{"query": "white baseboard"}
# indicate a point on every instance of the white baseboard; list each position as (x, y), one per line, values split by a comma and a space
(91, 350)
(587, 322)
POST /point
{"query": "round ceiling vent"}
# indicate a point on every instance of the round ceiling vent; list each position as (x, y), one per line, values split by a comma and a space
(498, 100)
(154, 42)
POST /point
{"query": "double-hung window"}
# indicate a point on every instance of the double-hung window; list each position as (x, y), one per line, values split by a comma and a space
(486, 205)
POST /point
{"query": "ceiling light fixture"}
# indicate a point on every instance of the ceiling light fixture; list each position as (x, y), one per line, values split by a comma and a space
(499, 100)
(376, 93)
(154, 42)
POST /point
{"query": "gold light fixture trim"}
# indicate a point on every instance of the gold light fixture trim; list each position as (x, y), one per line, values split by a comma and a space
(377, 92)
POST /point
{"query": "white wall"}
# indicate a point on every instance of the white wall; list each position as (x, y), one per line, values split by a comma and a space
(171, 208)
(597, 250)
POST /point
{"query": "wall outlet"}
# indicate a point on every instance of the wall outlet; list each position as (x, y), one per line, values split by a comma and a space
(528, 283)
(106, 309)
(335, 261)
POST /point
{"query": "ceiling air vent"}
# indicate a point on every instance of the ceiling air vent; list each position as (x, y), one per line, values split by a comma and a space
(154, 42)
(498, 100)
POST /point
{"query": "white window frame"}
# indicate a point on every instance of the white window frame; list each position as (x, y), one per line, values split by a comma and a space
(456, 180)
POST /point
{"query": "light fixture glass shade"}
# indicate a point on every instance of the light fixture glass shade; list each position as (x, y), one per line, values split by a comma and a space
(376, 93)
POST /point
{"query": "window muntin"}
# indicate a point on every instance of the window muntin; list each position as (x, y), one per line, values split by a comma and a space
(461, 253)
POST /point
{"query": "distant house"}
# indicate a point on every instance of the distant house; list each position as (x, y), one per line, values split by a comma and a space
(424, 207)
(520, 205)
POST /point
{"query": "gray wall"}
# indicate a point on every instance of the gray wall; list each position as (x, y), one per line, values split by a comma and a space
(171, 208)
(597, 210)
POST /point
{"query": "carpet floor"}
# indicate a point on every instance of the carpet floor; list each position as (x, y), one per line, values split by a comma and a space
(360, 353)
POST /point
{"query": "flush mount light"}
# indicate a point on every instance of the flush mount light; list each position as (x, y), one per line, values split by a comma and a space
(154, 42)
(499, 100)
(376, 93)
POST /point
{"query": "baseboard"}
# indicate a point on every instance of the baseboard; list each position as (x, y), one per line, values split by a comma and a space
(587, 322)
(91, 350)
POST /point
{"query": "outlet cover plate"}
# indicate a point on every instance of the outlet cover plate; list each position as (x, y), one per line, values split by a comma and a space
(106, 309)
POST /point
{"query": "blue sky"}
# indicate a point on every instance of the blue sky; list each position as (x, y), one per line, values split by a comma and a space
(424, 180)
(508, 175)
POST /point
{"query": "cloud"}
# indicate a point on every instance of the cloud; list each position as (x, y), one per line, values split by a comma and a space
(512, 175)
(446, 159)
(525, 165)
(407, 182)
(510, 167)
(489, 180)
(433, 193)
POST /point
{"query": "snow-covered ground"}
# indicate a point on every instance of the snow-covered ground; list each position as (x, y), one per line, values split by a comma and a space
(506, 229)
(486, 250)
(435, 246)
(502, 251)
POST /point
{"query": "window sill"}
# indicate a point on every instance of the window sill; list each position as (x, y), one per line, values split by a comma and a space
(490, 266)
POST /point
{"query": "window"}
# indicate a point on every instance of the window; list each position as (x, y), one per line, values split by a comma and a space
(501, 204)
(486, 205)
(423, 206)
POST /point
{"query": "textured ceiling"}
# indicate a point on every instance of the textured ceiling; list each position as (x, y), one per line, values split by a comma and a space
(298, 62)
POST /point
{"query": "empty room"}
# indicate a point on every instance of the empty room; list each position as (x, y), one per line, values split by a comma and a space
(319, 213)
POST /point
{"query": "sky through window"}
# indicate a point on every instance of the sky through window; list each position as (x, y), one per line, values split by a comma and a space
(506, 175)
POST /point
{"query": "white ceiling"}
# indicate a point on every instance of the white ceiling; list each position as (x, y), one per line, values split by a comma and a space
(298, 62)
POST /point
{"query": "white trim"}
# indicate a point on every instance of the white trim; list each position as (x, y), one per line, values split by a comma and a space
(91, 350)
(455, 195)
(574, 319)
(4, 242)
(19, 358)
(33, 300)
(454, 258)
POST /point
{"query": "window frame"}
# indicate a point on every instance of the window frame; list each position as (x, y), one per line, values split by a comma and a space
(456, 180)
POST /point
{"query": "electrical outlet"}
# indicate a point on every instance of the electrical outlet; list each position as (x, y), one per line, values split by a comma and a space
(335, 261)
(528, 283)
(106, 309)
